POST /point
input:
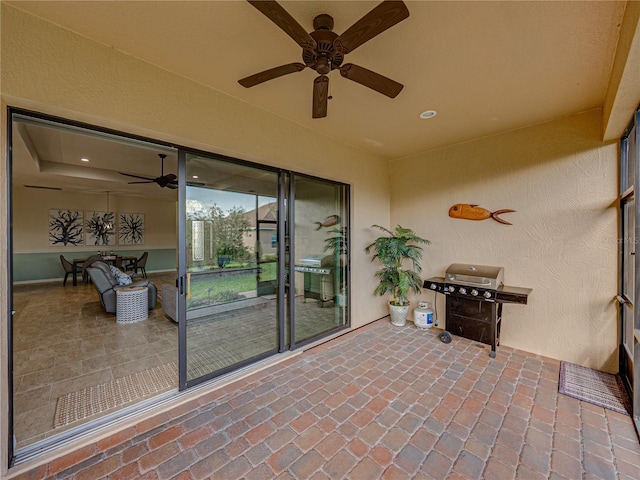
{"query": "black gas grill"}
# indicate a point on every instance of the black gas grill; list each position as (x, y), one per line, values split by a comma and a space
(474, 298)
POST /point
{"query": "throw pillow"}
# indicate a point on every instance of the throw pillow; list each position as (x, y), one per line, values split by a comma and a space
(121, 277)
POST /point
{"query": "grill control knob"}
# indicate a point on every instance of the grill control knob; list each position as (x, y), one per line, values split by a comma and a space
(463, 290)
(487, 294)
(452, 289)
(433, 286)
(474, 292)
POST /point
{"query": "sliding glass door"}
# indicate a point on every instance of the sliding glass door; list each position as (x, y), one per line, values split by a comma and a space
(265, 261)
(320, 251)
(230, 281)
(261, 256)
(629, 349)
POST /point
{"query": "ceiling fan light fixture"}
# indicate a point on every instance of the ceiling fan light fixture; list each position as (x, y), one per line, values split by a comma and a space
(323, 65)
(428, 114)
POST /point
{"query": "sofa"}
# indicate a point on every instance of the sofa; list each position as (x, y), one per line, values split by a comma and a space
(107, 285)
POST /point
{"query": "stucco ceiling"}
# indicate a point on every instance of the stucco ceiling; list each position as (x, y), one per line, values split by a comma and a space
(486, 67)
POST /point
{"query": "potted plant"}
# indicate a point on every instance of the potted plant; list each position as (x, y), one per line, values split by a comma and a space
(393, 250)
(225, 254)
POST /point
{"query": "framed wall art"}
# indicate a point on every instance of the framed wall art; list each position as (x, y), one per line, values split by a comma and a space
(66, 228)
(100, 228)
(131, 229)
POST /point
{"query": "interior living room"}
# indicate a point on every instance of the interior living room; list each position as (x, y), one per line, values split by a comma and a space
(532, 109)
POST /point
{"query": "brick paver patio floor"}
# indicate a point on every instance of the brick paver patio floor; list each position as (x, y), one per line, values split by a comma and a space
(379, 402)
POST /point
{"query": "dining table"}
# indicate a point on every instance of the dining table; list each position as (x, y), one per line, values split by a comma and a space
(110, 259)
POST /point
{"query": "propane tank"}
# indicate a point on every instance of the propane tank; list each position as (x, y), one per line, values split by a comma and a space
(423, 316)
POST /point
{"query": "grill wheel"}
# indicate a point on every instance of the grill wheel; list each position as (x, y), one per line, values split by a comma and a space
(445, 337)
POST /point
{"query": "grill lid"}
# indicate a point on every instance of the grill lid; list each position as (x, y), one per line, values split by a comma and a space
(475, 275)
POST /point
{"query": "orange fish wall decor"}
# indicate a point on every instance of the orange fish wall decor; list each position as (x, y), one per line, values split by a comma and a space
(468, 211)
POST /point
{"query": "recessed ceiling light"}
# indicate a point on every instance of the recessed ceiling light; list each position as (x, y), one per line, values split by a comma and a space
(428, 114)
(84, 159)
(195, 176)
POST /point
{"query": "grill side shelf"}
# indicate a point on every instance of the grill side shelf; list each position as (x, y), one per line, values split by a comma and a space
(509, 294)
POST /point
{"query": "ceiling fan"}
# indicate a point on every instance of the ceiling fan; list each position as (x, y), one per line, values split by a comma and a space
(323, 50)
(169, 180)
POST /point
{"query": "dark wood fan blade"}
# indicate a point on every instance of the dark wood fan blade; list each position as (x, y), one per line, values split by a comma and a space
(382, 17)
(133, 183)
(370, 79)
(320, 96)
(270, 74)
(278, 15)
(136, 176)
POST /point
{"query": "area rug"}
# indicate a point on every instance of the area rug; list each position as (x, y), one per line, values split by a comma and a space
(599, 388)
(116, 393)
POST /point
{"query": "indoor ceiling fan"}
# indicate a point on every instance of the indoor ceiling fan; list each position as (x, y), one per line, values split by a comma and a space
(169, 180)
(323, 50)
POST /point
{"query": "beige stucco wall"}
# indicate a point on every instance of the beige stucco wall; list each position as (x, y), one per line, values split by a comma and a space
(50, 70)
(562, 180)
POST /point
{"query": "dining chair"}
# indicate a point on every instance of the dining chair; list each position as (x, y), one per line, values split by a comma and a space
(68, 269)
(138, 264)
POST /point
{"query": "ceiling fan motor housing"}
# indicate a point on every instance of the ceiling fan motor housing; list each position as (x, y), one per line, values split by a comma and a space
(325, 57)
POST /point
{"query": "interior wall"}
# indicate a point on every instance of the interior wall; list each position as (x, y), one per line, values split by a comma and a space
(34, 259)
(31, 218)
(562, 182)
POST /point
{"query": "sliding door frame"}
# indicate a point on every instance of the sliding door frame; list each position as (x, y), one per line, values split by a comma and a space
(629, 335)
(293, 345)
(183, 278)
(9, 280)
(32, 450)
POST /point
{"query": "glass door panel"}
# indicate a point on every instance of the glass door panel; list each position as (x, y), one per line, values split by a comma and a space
(628, 286)
(320, 232)
(266, 244)
(629, 350)
(230, 227)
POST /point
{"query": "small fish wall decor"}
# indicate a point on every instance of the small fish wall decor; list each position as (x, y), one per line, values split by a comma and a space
(468, 211)
(330, 221)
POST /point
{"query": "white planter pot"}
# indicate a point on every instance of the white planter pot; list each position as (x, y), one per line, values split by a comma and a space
(398, 314)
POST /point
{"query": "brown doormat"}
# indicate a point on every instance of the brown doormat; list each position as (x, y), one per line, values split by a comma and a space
(599, 388)
(90, 401)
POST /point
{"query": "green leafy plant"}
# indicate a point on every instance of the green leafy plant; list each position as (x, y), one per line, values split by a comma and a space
(336, 243)
(226, 250)
(397, 247)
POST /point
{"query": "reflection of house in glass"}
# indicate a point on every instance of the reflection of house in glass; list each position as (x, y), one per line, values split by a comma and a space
(263, 233)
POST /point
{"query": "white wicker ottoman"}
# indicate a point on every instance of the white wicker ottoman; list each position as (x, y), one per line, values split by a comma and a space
(132, 304)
